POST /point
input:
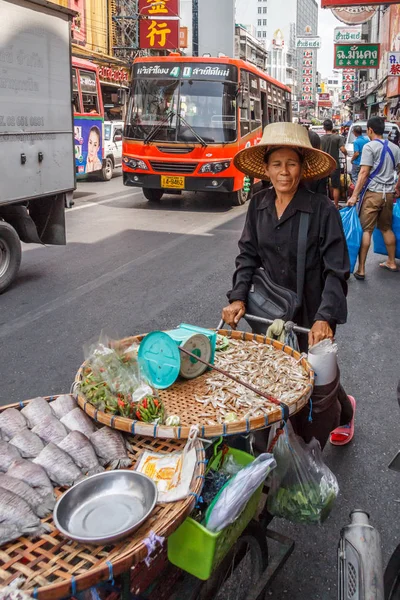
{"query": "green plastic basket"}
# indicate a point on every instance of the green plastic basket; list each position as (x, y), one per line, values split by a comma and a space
(198, 551)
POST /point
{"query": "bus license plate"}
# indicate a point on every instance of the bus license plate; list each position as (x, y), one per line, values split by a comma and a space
(172, 182)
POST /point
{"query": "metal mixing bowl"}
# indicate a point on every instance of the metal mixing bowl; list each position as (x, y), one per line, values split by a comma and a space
(105, 507)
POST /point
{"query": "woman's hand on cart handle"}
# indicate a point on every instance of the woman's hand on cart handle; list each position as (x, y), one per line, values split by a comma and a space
(232, 313)
(321, 330)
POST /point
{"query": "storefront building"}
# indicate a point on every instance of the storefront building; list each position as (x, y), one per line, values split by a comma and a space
(114, 83)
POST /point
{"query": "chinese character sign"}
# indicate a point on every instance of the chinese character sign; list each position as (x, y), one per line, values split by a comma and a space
(159, 8)
(336, 3)
(159, 34)
(394, 64)
(357, 56)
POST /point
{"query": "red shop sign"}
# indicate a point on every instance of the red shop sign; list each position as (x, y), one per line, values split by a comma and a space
(159, 34)
(117, 75)
(159, 8)
(336, 3)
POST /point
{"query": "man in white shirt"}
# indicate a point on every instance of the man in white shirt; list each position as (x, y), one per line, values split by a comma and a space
(379, 161)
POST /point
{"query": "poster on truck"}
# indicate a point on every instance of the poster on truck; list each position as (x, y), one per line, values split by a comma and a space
(88, 140)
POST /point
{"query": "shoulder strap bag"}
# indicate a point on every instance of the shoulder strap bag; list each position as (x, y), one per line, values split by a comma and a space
(271, 301)
(375, 172)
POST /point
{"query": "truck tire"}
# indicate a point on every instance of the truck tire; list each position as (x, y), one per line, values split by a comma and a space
(108, 169)
(10, 255)
(153, 195)
(240, 197)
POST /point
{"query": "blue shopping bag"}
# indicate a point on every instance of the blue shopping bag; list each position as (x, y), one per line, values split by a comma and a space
(379, 244)
(353, 233)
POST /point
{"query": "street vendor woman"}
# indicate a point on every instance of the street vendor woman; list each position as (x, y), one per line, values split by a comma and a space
(286, 158)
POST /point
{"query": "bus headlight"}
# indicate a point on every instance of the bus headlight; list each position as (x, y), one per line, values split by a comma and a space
(135, 163)
(215, 167)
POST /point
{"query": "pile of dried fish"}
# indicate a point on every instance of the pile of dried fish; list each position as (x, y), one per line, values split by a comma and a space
(54, 437)
(271, 371)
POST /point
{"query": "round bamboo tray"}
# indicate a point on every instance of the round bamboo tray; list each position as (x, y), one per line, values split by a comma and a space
(179, 400)
(55, 567)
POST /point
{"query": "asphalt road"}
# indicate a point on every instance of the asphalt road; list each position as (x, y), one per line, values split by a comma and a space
(130, 267)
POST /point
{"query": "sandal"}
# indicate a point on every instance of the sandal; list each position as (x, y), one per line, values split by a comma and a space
(358, 276)
(385, 266)
(344, 434)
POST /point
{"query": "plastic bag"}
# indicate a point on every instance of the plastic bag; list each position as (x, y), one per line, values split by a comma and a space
(379, 244)
(113, 381)
(235, 494)
(353, 233)
(302, 487)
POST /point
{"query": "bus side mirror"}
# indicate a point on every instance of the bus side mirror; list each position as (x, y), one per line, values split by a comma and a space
(118, 138)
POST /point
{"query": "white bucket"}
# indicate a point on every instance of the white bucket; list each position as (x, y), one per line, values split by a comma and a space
(323, 359)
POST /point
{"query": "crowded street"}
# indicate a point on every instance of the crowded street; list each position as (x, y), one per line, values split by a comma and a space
(131, 267)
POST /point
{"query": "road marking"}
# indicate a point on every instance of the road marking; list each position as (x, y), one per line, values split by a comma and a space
(110, 199)
(28, 318)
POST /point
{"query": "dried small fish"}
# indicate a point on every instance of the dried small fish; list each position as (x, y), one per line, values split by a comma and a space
(58, 465)
(8, 533)
(28, 443)
(7, 455)
(11, 422)
(77, 420)
(35, 411)
(77, 445)
(50, 430)
(15, 512)
(110, 448)
(33, 475)
(27, 493)
(62, 405)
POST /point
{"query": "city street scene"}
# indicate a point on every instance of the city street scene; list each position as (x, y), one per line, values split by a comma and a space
(199, 281)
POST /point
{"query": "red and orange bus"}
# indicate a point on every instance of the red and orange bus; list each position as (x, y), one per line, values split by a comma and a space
(188, 117)
(88, 117)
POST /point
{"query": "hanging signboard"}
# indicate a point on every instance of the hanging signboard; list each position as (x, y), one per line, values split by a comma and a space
(336, 3)
(354, 15)
(159, 34)
(160, 9)
(356, 56)
(347, 34)
(308, 42)
(394, 64)
(324, 96)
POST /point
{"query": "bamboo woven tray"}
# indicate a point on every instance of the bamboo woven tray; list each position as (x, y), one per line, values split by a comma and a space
(179, 400)
(54, 567)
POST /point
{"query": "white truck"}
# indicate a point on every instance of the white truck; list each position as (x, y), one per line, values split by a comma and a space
(37, 166)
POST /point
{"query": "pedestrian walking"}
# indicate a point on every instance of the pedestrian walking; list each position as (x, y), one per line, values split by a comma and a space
(375, 187)
(318, 186)
(333, 143)
(270, 239)
(358, 145)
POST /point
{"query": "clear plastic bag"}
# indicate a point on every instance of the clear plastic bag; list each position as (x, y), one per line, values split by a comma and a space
(302, 488)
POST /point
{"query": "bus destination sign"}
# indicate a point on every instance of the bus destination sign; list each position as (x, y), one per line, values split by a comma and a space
(214, 71)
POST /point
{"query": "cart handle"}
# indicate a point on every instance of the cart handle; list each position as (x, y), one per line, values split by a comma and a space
(296, 328)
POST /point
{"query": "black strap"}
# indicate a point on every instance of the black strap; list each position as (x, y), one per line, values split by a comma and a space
(301, 255)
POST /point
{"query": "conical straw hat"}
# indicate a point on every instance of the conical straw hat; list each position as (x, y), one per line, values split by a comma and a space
(317, 164)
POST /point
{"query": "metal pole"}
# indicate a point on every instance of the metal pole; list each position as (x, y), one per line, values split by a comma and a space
(296, 328)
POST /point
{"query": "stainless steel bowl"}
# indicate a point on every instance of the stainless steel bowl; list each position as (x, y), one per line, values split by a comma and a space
(105, 507)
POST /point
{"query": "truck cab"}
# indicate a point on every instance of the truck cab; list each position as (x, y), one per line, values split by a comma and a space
(112, 148)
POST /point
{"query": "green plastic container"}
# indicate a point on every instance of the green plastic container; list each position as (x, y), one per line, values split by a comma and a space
(198, 551)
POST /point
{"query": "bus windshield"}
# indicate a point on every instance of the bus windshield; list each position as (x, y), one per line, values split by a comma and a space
(179, 109)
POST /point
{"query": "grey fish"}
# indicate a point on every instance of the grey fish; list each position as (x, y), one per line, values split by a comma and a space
(28, 443)
(33, 475)
(8, 533)
(16, 512)
(110, 448)
(50, 430)
(7, 455)
(77, 420)
(62, 405)
(27, 493)
(35, 411)
(77, 445)
(11, 422)
(58, 465)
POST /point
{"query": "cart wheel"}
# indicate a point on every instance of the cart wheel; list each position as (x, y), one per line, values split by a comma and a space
(392, 577)
(237, 573)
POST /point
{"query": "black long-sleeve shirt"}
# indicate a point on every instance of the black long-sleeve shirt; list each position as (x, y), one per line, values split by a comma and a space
(272, 243)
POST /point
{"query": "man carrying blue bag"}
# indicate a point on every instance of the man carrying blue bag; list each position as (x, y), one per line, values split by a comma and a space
(375, 192)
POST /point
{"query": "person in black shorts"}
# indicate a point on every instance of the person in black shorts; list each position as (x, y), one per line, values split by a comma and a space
(332, 144)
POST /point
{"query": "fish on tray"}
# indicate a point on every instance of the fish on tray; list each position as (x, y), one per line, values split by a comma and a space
(28, 443)
(110, 448)
(7, 455)
(77, 445)
(35, 411)
(50, 429)
(17, 513)
(33, 475)
(11, 422)
(58, 465)
(62, 405)
(77, 420)
(8, 533)
(30, 495)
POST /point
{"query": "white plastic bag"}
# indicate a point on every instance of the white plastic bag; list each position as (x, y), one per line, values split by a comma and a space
(235, 494)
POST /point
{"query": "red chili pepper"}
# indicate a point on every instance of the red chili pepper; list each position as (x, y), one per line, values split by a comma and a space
(138, 414)
(156, 402)
(121, 402)
(144, 403)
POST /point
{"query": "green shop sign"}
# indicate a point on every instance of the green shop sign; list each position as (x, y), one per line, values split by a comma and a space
(357, 56)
